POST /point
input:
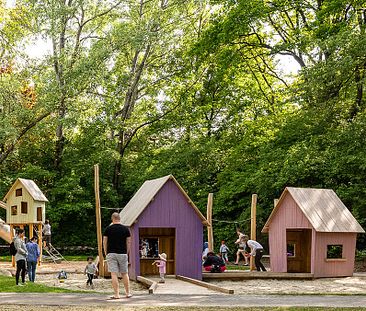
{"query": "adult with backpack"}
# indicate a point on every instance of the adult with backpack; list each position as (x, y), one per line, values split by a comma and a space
(20, 256)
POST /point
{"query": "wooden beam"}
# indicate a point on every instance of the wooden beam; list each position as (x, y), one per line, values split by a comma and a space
(209, 220)
(149, 283)
(98, 220)
(253, 226)
(234, 275)
(206, 285)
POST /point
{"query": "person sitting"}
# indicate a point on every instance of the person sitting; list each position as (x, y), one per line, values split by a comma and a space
(214, 263)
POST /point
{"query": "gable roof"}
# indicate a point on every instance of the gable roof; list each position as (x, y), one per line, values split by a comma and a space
(31, 187)
(323, 208)
(145, 195)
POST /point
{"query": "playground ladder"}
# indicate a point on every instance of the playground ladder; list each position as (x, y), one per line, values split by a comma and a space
(54, 253)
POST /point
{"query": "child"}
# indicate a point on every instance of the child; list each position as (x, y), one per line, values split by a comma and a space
(90, 270)
(161, 264)
(223, 251)
(241, 248)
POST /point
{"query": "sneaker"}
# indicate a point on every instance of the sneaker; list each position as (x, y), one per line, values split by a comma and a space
(128, 295)
(161, 281)
(21, 284)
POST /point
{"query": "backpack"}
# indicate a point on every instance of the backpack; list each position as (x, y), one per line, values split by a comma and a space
(62, 275)
(215, 269)
(12, 249)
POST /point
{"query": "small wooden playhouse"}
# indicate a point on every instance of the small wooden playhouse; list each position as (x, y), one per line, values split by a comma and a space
(26, 204)
(312, 231)
(162, 218)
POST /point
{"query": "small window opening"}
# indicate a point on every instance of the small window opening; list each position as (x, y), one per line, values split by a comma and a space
(24, 208)
(14, 210)
(334, 251)
(19, 192)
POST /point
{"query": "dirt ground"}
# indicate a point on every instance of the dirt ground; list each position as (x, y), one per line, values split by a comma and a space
(77, 281)
(349, 285)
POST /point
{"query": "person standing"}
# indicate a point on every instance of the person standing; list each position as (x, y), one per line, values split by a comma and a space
(161, 264)
(241, 248)
(256, 252)
(90, 270)
(224, 251)
(20, 256)
(116, 245)
(32, 258)
(47, 233)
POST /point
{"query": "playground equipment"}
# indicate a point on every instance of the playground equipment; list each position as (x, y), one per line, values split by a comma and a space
(312, 231)
(25, 206)
(162, 213)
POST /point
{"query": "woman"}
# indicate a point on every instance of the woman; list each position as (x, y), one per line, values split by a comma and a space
(32, 258)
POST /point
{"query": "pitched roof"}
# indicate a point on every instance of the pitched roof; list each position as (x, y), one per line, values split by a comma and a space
(323, 208)
(31, 187)
(145, 195)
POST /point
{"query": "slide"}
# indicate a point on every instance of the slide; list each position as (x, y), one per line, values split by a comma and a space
(4, 231)
(4, 228)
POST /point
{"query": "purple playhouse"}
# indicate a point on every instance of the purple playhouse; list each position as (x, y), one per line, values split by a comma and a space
(312, 231)
(163, 219)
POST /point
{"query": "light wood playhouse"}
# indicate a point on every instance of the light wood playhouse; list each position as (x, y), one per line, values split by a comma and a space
(26, 206)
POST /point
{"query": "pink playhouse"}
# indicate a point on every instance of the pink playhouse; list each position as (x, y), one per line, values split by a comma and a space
(312, 231)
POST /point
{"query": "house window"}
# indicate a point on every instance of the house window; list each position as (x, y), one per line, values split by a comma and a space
(19, 192)
(39, 213)
(334, 251)
(149, 248)
(291, 249)
(24, 208)
(14, 210)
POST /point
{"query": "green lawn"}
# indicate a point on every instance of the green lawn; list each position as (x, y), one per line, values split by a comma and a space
(233, 267)
(7, 285)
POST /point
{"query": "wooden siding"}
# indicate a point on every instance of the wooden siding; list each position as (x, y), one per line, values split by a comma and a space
(146, 193)
(12, 200)
(170, 209)
(287, 216)
(332, 268)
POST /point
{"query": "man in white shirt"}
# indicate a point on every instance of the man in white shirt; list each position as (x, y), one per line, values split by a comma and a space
(256, 252)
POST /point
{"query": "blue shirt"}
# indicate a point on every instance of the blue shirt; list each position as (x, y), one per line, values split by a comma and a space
(33, 251)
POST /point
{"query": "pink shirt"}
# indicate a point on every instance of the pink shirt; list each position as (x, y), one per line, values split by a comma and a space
(162, 266)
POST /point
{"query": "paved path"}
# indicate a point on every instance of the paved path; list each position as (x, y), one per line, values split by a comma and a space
(174, 286)
(221, 300)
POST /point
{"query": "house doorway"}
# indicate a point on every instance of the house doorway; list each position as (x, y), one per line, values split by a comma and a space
(154, 241)
(298, 243)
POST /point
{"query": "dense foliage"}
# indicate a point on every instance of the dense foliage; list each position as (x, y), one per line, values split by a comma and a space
(230, 96)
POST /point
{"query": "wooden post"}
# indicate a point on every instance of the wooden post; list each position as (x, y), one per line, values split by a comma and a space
(209, 220)
(253, 226)
(11, 238)
(30, 231)
(98, 220)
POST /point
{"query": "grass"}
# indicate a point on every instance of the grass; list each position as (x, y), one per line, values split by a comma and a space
(233, 267)
(7, 285)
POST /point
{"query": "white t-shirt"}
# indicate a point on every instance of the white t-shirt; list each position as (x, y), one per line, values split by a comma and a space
(254, 245)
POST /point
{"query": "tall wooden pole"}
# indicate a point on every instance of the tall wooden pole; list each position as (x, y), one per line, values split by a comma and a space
(253, 225)
(98, 220)
(209, 220)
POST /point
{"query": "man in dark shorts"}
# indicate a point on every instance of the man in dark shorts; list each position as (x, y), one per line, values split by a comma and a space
(116, 244)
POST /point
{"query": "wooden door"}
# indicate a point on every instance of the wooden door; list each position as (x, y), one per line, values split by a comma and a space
(167, 246)
(298, 250)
